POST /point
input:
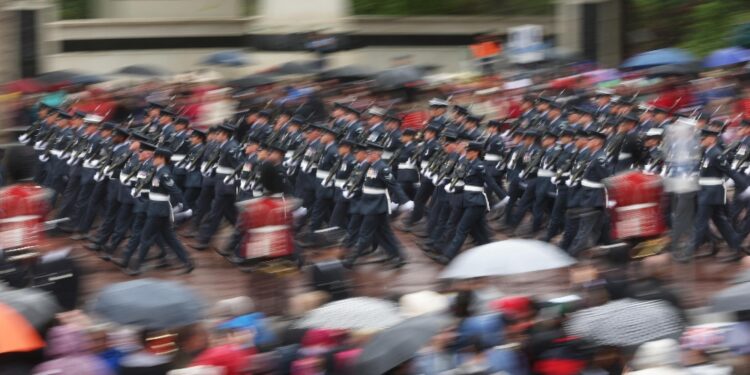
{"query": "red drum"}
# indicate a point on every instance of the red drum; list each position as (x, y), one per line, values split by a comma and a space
(267, 226)
(23, 211)
(636, 207)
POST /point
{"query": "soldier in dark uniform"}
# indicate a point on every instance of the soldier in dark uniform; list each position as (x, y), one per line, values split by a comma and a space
(438, 108)
(392, 140)
(82, 132)
(557, 188)
(519, 143)
(352, 191)
(194, 158)
(407, 173)
(628, 152)
(592, 195)
(179, 145)
(352, 128)
(159, 215)
(428, 149)
(208, 182)
(471, 127)
(654, 158)
(323, 206)
(456, 125)
(452, 184)
(527, 166)
(376, 130)
(712, 199)
(374, 203)
(340, 214)
(222, 205)
(475, 203)
(494, 157)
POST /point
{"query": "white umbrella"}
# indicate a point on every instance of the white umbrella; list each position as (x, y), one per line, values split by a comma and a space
(509, 257)
(353, 313)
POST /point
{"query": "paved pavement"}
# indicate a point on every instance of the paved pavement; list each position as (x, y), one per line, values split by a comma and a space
(214, 278)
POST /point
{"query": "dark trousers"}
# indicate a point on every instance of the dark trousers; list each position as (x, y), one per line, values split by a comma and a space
(409, 189)
(191, 197)
(355, 223)
(70, 197)
(202, 205)
(94, 206)
(448, 229)
(420, 200)
(473, 220)
(221, 207)
(717, 213)
(570, 229)
(156, 227)
(589, 230)
(557, 216)
(321, 213)
(109, 221)
(139, 222)
(515, 191)
(376, 229)
(82, 201)
(439, 212)
(123, 223)
(534, 199)
(339, 214)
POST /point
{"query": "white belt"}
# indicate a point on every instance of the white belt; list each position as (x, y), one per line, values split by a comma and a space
(406, 166)
(373, 191)
(459, 183)
(710, 181)
(57, 153)
(424, 164)
(545, 173)
(321, 174)
(492, 157)
(158, 197)
(224, 170)
(38, 146)
(635, 207)
(178, 157)
(122, 178)
(387, 155)
(624, 155)
(478, 189)
(91, 164)
(303, 164)
(339, 183)
(592, 184)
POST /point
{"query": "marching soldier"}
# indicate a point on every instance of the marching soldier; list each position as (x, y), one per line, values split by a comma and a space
(407, 173)
(191, 163)
(557, 187)
(627, 149)
(345, 164)
(537, 176)
(324, 189)
(437, 110)
(159, 214)
(374, 205)
(592, 194)
(392, 139)
(179, 145)
(494, 157)
(712, 200)
(475, 204)
(208, 159)
(471, 127)
(376, 130)
(222, 205)
(429, 149)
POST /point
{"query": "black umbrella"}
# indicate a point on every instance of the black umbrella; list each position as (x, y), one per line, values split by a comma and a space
(254, 80)
(349, 72)
(149, 303)
(297, 67)
(143, 70)
(57, 77)
(399, 77)
(398, 344)
(674, 70)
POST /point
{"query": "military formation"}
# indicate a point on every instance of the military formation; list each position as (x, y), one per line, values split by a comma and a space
(456, 176)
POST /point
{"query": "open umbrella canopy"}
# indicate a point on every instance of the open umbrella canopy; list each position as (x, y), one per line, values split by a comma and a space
(626, 323)
(18, 335)
(349, 72)
(674, 70)
(87, 79)
(36, 306)
(353, 313)
(664, 56)
(398, 344)
(231, 58)
(734, 298)
(57, 77)
(26, 86)
(509, 257)
(727, 56)
(149, 303)
(398, 77)
(297, 67)
(143, 70)
(254, 80)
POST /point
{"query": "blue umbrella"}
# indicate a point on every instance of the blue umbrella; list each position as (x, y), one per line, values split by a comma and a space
(657, 57)
(727, 56)
(226, 58)
(87, 79)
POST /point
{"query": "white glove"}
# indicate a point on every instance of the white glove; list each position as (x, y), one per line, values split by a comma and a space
(611, 203)
(300, 212)
(184, 214)
(408, 206)
(502, 203)
(43, 158)
(569, 182)
(347, 194)
(553, 180)
(434, 180)
(520, 175)
(449, 189)
(23, 138)
(393, 206)
(177, 208)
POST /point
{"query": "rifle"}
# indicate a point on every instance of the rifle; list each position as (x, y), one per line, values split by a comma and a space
(334, 170)
(533, 165)
(209, 165)
(107, 168)
(395, 157)
(30, 133)
(355, 180)
(142, 183)
(297, 156)
(459, 173)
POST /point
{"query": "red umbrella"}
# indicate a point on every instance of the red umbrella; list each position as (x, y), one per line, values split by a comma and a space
(26, 86)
